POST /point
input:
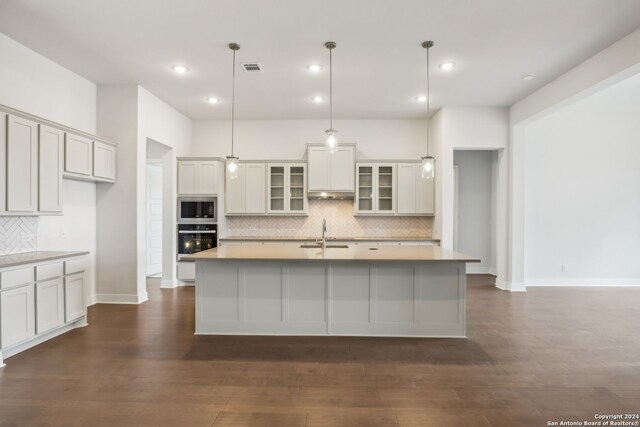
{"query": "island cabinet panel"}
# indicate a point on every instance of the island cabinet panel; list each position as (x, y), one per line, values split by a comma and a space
(307, 293)
(280, 297)
(263, 293)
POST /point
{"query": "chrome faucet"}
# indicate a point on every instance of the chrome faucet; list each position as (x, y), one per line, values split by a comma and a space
(324, 234)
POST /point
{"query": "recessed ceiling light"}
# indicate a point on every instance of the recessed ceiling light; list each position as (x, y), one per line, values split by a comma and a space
(213, 100)
(528, 76)
(180, 69)
(421, 98)
(317, 99)
(447, 65)
(314, 68)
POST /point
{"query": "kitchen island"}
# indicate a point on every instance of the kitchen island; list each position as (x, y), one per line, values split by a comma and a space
(360, 290)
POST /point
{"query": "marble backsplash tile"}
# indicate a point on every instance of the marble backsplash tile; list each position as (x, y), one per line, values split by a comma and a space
(340, 223)
(12, 231)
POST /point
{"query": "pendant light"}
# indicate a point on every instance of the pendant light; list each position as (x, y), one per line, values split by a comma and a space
(428, 161)
(232, 161)
(331, 141)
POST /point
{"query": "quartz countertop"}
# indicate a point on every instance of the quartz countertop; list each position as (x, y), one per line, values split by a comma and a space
(330, 239)
(352, 253)
(36, 256)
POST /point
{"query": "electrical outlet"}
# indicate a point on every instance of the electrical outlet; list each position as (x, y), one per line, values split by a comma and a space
(565, 268)
(25, 237)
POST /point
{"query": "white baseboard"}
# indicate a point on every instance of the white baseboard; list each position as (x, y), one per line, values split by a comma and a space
(186, 283)
(478, 269)
(168, 283)
(592, 282)
(92, 299)
(121, 298)
(512, 287)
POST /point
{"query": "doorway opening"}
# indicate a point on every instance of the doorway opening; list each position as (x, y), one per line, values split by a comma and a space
(474, 222)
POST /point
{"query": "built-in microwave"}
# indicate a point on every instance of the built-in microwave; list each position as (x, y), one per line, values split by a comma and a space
(197, 209)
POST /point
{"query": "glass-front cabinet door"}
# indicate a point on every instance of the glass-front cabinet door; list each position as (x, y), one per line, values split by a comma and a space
(376, 188)
(364, 198)
(287, 189)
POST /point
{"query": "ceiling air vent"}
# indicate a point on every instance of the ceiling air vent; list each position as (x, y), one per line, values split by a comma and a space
(251, 67)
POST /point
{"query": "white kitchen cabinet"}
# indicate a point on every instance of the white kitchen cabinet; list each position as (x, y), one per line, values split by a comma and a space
(331, 172)
(375, 188)
(49, 305)
(198, 177)
(246, 194)
(22, 165)
(186, 271)
(17, 320)
(78, 155)
(3, 161)
(286, 187)
(415, 194)
(75, 304)
(50, 169)
(104, 161)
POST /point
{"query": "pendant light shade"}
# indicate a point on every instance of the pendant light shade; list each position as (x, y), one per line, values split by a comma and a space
(232, 160)
(332, 140)
(428, 162)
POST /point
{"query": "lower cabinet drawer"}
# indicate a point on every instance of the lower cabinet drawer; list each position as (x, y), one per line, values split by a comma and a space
(75, 265)
(19, 276)
(187, 271)
(49, 271)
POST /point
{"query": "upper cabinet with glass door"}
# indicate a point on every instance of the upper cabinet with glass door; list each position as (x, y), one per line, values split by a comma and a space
(375, 188)
(287, 189)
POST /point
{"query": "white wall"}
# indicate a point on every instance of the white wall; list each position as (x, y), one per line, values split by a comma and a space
(286, 139)
(475, 208)
(582, 199)
(34, 84)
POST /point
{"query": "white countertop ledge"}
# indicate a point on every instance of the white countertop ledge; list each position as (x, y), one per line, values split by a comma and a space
(259, 252)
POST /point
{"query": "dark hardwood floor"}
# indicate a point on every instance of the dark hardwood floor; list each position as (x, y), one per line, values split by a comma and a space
(551, 354)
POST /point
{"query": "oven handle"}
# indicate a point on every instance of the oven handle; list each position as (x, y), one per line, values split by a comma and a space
(196, 231)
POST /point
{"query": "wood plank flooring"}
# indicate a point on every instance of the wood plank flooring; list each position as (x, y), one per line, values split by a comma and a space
(551, 354)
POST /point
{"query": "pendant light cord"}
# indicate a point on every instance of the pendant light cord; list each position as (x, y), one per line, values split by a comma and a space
(233, 99)
(428, 106)
(330, 88)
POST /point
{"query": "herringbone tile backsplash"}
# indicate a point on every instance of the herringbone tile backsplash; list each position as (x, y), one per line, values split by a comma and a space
(12, 229)
(340, 223)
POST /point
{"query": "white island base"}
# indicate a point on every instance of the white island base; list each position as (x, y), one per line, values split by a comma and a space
(330, 297)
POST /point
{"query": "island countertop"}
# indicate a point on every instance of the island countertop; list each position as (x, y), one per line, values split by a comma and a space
(352, 253)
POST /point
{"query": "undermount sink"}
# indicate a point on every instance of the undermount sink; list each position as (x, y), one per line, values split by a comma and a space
(318, 246)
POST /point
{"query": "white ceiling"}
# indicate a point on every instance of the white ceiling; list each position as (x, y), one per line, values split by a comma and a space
(378, 63)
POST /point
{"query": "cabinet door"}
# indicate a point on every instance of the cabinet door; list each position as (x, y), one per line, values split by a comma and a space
(49, 305)
(187, 178)
(3, 161)
(50, 155)
(78, 156)
(296, 178)
(425, 195)
(385, 188)
(75, 305)
(342, 169)
(365, 191)
(207, 178)
(254, 188)
(319, 169)
(22, 165)
(104, 161)
(17, 308)
(407, 188)
(277, 191)
(234, 192)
